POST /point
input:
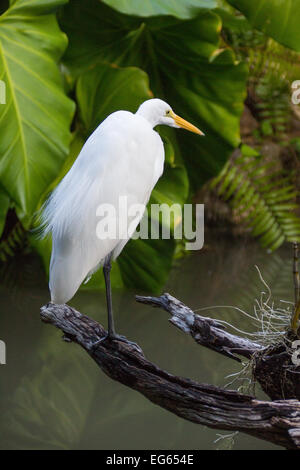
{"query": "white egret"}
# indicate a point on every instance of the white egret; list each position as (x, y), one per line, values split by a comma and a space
(124, 156)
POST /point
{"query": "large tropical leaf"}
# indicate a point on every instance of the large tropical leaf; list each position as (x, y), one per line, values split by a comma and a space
(185, 67)
(145, 264)
(279, 19)
(105, 89)
(34, 123)
(180, 9)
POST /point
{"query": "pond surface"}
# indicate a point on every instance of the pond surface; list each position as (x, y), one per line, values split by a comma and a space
(53, 397)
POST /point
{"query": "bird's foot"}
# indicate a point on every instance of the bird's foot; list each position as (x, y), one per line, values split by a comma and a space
(123, 339)
(115, 337)
(100, 341)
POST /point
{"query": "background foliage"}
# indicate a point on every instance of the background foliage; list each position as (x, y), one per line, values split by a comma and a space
(67, 65)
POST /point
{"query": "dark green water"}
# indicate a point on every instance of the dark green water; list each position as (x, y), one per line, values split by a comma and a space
(53, 397)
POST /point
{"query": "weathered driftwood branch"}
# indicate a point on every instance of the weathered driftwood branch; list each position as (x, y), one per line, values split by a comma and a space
(277, 422)
(272, 366)
(205, 331)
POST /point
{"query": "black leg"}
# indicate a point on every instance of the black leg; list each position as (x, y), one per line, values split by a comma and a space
(111, 326)
(110, 316)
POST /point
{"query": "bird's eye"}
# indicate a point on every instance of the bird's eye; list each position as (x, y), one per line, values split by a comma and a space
(168, 112)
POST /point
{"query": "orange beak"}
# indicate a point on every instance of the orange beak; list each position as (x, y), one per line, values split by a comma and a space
(185, 124)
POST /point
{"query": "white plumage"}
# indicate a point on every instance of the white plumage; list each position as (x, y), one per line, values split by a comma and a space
(123, 157)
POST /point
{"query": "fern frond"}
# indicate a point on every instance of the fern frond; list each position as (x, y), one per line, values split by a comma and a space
(264, 200)
(13, 243)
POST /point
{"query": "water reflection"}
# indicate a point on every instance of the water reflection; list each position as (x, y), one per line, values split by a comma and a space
(53, 396)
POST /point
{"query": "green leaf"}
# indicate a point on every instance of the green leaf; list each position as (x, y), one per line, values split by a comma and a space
(278, 19)
(34, 122)
(266, 128)
(249, 151)
(186, 67)
(142, 265)
(106, 89)
(180, 9)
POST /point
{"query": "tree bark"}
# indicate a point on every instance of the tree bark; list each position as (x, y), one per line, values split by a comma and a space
(205, 331)
(277, 422)
(272, 366)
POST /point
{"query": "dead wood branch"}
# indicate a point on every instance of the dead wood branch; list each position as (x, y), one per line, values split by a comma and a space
(277, 422)
(272, 366)
(205, 331)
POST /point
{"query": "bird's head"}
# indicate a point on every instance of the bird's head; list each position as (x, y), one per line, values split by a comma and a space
(159, 112)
